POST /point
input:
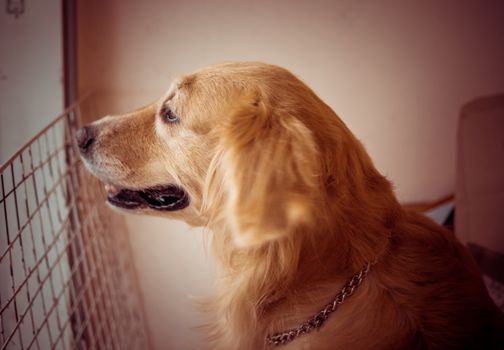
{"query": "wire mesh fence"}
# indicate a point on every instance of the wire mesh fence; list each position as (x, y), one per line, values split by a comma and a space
(66, 274)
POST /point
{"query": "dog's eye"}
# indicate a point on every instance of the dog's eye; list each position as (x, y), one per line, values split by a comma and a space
(167, 115)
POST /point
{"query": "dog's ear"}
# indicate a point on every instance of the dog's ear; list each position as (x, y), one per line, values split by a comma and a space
(272, 173)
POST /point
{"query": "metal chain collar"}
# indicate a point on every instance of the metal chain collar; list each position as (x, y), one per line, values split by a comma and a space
(319, 319)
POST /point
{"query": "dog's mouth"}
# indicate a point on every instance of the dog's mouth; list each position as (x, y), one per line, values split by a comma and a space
(165, 198)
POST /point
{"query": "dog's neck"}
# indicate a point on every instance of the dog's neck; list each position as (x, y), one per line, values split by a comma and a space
(283, 274)
(261, 281)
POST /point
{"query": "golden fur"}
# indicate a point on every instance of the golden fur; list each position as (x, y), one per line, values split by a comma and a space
(296, 207)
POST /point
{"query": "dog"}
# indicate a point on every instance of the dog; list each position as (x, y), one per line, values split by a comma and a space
(314, 250)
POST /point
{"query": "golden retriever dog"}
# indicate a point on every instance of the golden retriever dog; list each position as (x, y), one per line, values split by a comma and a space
(314, 250)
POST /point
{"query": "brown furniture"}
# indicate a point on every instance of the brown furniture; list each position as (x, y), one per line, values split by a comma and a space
(479, 193)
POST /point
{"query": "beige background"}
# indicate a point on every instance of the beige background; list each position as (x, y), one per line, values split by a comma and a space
(397, 72)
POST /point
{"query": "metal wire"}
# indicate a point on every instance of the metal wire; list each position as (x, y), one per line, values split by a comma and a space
(66, 274)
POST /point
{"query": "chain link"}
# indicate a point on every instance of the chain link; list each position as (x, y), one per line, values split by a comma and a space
(318, 320)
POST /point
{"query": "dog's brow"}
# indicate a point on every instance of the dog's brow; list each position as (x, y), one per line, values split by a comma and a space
(177, 84)
(169, 97)
(172, 91)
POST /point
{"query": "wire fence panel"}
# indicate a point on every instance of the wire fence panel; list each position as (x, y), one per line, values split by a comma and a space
(67, 280)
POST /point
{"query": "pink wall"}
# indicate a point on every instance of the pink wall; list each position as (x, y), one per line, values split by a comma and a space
(396, 72)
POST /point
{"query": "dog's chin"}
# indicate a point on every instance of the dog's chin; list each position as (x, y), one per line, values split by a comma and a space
(162, 198)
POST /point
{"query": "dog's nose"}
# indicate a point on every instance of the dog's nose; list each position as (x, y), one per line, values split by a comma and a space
(85, 138)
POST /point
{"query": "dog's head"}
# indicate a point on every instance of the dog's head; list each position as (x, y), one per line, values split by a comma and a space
(243, 145)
